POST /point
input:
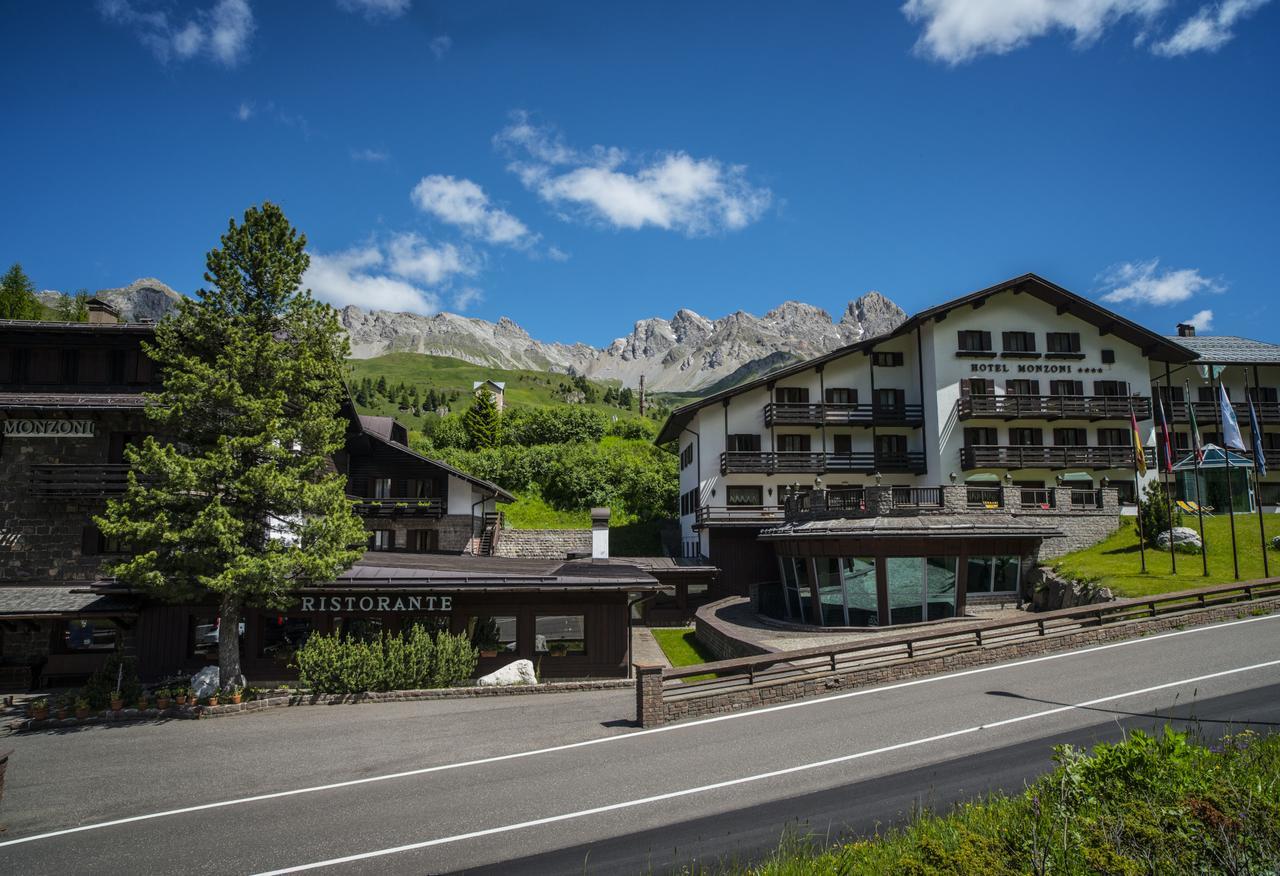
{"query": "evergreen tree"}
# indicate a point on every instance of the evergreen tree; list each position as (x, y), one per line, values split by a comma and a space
(625, 398)
(482, 421)
(238, 501)
(382, 386)
(18, 295)
(74, 308)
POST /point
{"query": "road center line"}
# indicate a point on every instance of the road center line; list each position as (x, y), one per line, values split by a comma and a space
(932, 679)
(671, 795)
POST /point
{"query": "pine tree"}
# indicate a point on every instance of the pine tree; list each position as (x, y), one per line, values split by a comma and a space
(237, 501)
(18, 295)
(625, 398)
(382, 386)
(482, 421)
(74, 308)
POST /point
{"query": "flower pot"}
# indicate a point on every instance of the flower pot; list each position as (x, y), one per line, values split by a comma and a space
(559, 651)
(484, 653)
(213, 701)
(117, 705)
(235, 699)
(142, 704)
(162, 703)
(39, 714)
(61, 714)
(81, 714)
(180, 699)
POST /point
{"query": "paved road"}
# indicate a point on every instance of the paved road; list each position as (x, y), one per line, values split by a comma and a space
(556, 782)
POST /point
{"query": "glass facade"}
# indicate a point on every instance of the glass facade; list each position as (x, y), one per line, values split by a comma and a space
(492, 633)
(795, 586)
(847, 591)
(992, 575)
(283, 636)
(560, 635)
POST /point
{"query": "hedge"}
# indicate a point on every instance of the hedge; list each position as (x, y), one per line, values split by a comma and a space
(404, 661)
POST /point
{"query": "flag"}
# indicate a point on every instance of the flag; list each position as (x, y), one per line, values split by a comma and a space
(1139, 454)
(1164, 435)
(1259, 457)
(1231, 438)
(1196, 447)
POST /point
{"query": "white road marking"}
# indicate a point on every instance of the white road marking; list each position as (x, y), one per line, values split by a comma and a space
(729, 783)
(623, 737)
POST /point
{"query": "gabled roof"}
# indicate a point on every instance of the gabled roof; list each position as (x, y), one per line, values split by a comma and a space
(501, 494)
(501, 384)
(1153, 345)
(1232, 350)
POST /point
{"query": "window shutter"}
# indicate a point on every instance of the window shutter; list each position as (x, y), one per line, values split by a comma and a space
(966, 387)
(1035, 387)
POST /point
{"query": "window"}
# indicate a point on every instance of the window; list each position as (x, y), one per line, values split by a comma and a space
(891, 399)
(974, 341)
(1264, 394)
(689, 502)
(795, 587)
(1062, 342)
(890, 446)
(1114, 438)
(83, 634)
(843, 444)
(977, 386)
(1019, 342)
(417, 488)
(921, 588)
(744, 495)
(686, 456)
(1025, 437)
(365, 628)
(281, 637)
(1066, 387)
(1070, 437)
(492, 633)
(886, 360)
(382, 540)
(1022, 387)
(793, 443)
(560, 635)
(1111, 388)
(202, 637)
(980, 436)
(1271, 440)
(381, 487)
(432, 623)
(791, 394)
(422, 541)
(744, 443)
(1182, 440)
(993, 574)
(841, 396)
(847, 591)
(1108, 357)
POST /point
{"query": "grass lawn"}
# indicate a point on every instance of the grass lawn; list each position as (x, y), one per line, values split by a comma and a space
(1116, 562)
(628, 537)
(683, 649)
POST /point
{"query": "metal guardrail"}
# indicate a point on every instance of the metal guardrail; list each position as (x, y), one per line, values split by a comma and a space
(746, 672)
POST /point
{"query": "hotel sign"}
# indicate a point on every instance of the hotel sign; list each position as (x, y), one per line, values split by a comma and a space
(48, 428)
(376, 603)
(1036, 368)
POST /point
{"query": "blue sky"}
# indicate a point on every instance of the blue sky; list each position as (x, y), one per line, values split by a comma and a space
(579, 166)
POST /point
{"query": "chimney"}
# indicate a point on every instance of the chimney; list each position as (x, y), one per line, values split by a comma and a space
(101, 312)
(599, 533)
(1186, 330)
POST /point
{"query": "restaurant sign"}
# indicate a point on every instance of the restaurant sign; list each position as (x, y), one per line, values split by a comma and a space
(376, 603)
(48, 428)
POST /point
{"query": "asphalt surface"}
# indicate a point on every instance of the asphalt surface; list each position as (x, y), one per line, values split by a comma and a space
(470, 785)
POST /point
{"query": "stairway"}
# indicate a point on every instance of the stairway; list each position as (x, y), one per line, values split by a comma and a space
(489, 529)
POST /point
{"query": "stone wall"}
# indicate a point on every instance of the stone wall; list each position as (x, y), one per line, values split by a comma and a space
(653, 709)
(721, 644)
(543, 544)
(43, 538)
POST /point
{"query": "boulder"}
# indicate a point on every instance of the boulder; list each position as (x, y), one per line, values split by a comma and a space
(519, 672)
(1052, 591)
(1275, 543)
(1181, 535)
(205, 682)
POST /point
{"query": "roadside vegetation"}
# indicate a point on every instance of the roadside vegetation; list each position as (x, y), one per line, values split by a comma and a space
(683, 649)
(1115, 562)
(415, 660)
(1163, 804)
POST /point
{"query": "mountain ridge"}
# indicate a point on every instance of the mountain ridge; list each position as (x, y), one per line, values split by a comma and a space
(686, 353)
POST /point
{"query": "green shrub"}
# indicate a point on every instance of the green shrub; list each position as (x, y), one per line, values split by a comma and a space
(100, 687)
(405, 661)
(1156, 510)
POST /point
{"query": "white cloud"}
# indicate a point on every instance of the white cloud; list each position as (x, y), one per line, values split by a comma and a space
(244, 112)
(1144, 283)
(463, 299)
(219, 33)
(556, 254)
(1208, 30)
(405, 274)
(376, 9)
(440, 46)
(463, 203)
(671, 190)
(372, 156)
(1203, 320)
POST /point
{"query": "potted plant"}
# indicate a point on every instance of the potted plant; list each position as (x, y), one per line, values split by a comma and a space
(212, 699)
(558, 649)
(39, 709)
(234, 695)
(117, 701)
(180, 696)
(488, 638)
(162, 698)
(82, 708)
(142, 702)
(60, 708)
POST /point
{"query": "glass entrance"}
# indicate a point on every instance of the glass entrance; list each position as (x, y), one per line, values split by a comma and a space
(921, 588)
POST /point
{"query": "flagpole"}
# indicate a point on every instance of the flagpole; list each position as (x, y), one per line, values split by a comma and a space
(1195, 454)
(1137, 487)
(1256, 440)
(1168, 465)
(1226, 458)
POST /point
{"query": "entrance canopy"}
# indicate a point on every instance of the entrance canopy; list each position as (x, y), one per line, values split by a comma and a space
(1213, 457)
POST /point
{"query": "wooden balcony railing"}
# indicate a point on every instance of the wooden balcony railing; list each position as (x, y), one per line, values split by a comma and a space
(1207, 412)
(816, 462)
(398, 506)
(1051, 457)
(79, 481)
(834, 414)
(738, 515)
(1052, 407)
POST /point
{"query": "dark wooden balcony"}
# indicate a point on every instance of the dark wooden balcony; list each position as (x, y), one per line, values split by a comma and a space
(1045, 456)
(398, 506)
(816, 462)
(833, 414)
(738, 515)
(1052, 407)
(78, 481)
(1207, 412)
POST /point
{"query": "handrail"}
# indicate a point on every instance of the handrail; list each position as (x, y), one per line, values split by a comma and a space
(1045, 456)
(1054, 407)
(1120, 609)
(842, 413)
(817, 462)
